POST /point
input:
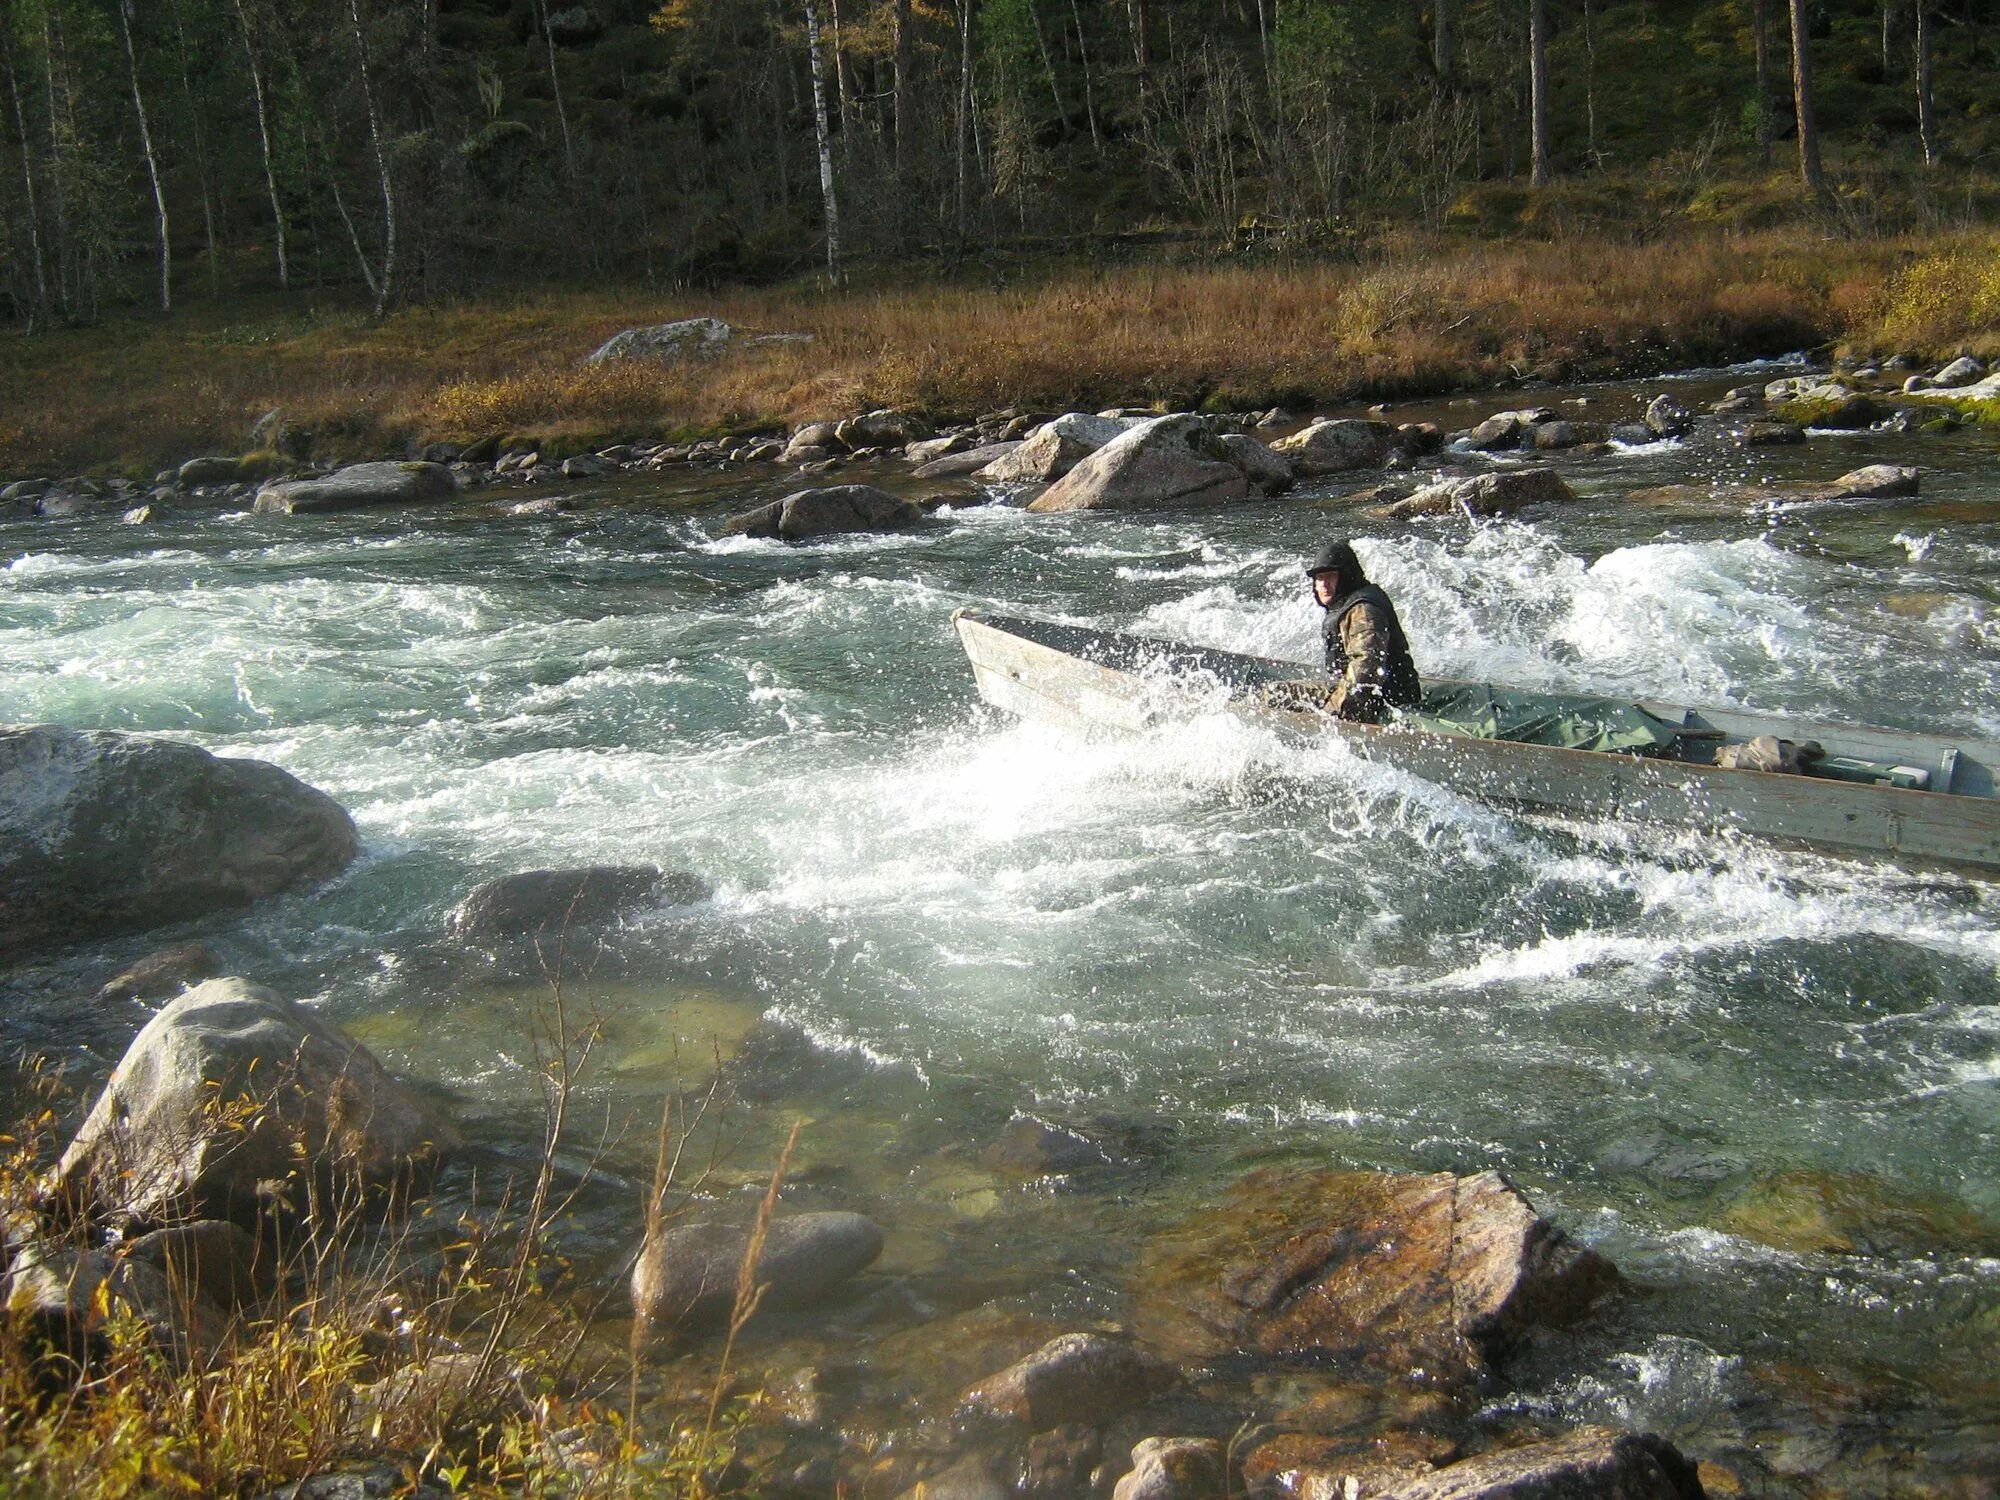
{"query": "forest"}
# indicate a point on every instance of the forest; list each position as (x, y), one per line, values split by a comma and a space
(156, 152)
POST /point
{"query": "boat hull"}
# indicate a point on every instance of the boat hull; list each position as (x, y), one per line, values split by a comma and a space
(1087, 680)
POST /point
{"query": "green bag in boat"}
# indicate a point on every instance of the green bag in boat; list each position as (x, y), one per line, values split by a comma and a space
(1567, 721)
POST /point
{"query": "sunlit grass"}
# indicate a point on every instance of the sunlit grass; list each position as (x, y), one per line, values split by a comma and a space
(1415, 317)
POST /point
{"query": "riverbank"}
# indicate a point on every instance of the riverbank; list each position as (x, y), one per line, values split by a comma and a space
(1408, 318)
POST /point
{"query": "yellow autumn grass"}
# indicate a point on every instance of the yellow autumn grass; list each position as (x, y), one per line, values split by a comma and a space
(1413, 316)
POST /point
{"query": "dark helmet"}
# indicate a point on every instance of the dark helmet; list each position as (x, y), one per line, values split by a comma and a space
(1336, 557)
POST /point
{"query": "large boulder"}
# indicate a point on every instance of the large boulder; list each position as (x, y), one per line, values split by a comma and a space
(1376, 1271)
(686, 1275)
(1271, 472)
(358, 486)
(1505, 429)
(971, 461)
(881, 429)
(685, 338)
(1080, 1377)
(230, 1102)
(104, 833)
(550, 902)
(1167, 462)
(1499, 493)
(1963, 371)
(62, 1297)
(1666, 417)
(1877, 482)
(1592, 1463)
(1047, 455)
(1333, 446)
(1054, 448)
(826, 512)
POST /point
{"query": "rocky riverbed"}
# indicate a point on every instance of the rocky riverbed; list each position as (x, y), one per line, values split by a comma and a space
(1187, 1108)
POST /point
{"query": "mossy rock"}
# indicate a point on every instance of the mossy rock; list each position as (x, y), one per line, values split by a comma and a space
(264, 463)
(1845, 413)
(1852, 1213)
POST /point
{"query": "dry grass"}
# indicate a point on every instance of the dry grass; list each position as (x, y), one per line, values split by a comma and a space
(1416, 317)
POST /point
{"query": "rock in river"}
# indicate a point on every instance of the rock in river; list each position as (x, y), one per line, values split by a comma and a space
(1085, 1378)
(1499, 493)
(971, 461)
(1166, 462)
(838, 508)
(1592, 1463)
(1336, 446)
(1433, 1274)
(357, 486)
(103, 833)
(224, 1095)
(687, 1274)
(1165, 1468)
(551, 901)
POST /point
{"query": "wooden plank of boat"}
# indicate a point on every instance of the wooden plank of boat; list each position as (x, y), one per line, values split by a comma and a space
(1083, 679)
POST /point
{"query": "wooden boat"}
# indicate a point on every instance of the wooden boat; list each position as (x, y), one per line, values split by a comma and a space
(1946, 812)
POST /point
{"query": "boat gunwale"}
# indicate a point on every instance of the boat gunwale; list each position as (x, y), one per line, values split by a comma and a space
(1830, 786)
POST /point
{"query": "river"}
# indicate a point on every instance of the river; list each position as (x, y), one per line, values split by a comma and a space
(1765, 1083)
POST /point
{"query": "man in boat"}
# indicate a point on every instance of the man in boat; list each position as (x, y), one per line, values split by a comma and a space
(1367, 655)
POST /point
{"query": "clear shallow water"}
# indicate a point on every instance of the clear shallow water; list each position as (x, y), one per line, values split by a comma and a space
(1211, 947)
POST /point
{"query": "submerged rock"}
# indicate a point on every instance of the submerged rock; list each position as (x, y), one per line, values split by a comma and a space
(1084, 1378)
(1033, 1146)
(1595, 1462)
(226, 1097)
(1853, 1213)
(1170, 1468)
(1430, 1277)
(686, 1276)
(160, 975)
(103, 833)
(552, 901)
(1167, 462)
(357, 486)
(1499, 493)
(825, 512)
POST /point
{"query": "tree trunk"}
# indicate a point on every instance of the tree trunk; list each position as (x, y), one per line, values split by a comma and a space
(264, 144)
(1538, 93)
(1888, 38)
(1443, 43)
(1810, 171)
(386, 287)
(1590, 82)
(1048, 64)
(200, 130)
(900, 89)
(1926, 104)
(41, 309)
(964, 110)
(1090, 88)
(1760, 43)
(843, 88)
(824, 137)
(555, 89)
(152, 160)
